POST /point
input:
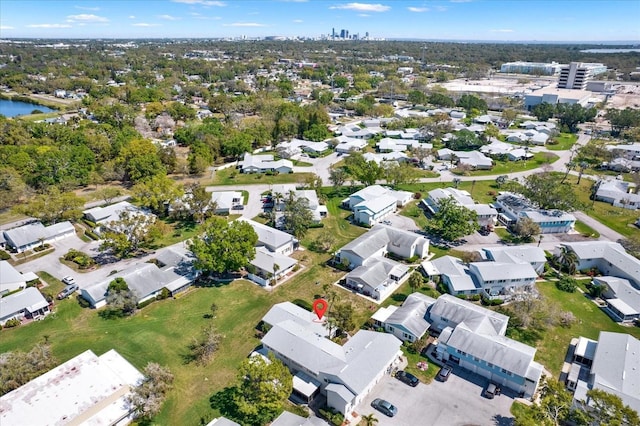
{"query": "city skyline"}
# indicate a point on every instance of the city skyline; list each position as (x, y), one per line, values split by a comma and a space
(546, 21)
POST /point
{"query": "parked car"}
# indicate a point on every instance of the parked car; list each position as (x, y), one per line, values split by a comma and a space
(68, 291)
(238, 207)
(407, 378)
(444, 373)
(68, 280)
(491, 391)
(385, 407)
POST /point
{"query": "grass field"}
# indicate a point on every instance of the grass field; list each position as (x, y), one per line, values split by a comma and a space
(586, 230)
(234, 177)
(564, 142)
(590, 321)
(504, 167)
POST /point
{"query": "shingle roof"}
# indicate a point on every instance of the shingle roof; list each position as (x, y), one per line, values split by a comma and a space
(9, 274)
(476, 318)
(616, 367)
(411, 315)
(268, 236)
(30, 299)
(266, 260)
(109, 213)
(516, 254)
(494, 271)
(33, 232)
(378, 237)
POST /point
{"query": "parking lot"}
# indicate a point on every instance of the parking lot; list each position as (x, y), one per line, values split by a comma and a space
(458, 401)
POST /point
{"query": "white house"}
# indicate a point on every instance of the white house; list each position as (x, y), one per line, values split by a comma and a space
(297, 146)
(10, 278)
(618, 193)
(28, 303)
(273, 239)
(270, 266)
(622, 298)
(265, 163)
(407, 322)
(629, 151)
(29, 236)
(487, 215)
(226, 201)
(105, 217)
(348, 144)
(373, 203)
(87, 389)
(535, 256)
(345, 374)
(377, 277)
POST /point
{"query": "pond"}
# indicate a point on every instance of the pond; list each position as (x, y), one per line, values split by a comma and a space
(10, 108)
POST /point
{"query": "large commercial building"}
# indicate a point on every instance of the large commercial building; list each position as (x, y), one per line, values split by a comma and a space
(535, 68)
(576, 74)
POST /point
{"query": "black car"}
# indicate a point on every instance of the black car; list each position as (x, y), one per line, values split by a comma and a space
(407, 378)
(444, 373)
(385, 407)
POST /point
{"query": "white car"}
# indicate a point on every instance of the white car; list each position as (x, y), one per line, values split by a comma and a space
(68, 280)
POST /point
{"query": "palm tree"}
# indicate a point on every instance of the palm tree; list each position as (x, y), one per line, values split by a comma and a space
(583, 165)
(567, 259)
(369, 419)
(570, 166)
(276, 268)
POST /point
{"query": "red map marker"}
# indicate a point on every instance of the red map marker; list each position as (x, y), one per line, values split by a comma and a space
(320, 307)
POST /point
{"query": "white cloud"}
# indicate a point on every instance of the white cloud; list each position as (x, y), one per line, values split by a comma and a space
(298, 21)
(49, 26)
(95, 9)
(6, 27)
(505, 30)
(145, 24)
(418, 9)
(202, 2)
(168, 17)
(441, 8)
(245, 24)
(363, 7)
(132, 17)
(363, 15)
(460, 1)
(84, 17)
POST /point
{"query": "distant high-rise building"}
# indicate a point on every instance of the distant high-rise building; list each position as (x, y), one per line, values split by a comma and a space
(333, 33)
(366, 34)
(576, 74)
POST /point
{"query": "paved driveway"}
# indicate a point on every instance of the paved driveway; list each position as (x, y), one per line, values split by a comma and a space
(456, 402)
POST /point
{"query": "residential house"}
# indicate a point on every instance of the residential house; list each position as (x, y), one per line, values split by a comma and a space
(373, 203)
(226, 201)
(622, 164)
(297, 146)
(87, 389)
(407, 322)
(344, 374)
(222, 421)
(610, 364)
(104, 216)
(386, 157)
(611, 259)
(10, 278)
(504, 277)
(377, 277)
(173, 271)
(265, 163)
(535, 256)
(513, 207)
(348, 144)
(628, 151)
(287, 418)
(451, 311)
(622, 298)
(29, 236)
(270, 266)
(273, 239)
(618, 193)
(474, 159)
(487, 215)
(319, 211)
(26, 304)
(356, 132)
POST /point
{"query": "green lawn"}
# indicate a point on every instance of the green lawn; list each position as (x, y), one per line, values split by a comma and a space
(564, 142)
(234, 177)
(586, 230)
(414, 212)
(8, 216)
(590, 321)
(504, 167)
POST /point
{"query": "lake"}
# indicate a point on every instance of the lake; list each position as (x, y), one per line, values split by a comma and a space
(15, 108)
(621, 50)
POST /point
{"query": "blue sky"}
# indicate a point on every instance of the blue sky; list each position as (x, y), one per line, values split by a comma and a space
(515, 20)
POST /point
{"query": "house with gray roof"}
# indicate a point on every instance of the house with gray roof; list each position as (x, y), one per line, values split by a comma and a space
(611, 364)
(226, 201)
(450, 311)
(265, 163)
(287, 418)
(514, 207)
(273, 239)
(373, 203)
(26, 304)
(347, 373)
(269, 266)
(222, 421)
(517, 254)
(618, 193)
(630, 151)
(10, 278)
(622, 298)
(347, 144)
(487, 215)
(609, 258)
(377, 277)
(297, 146)
(31, 235)
(407, 322)
(145, 280)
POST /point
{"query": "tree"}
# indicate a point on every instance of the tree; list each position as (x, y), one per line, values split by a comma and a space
(509, 115)
(147, 397)
(567, 283)
(131, 232)
(369, 419)
(297, 216)
(157, 193)
(582, 166)
(337, 176)
(53, 206)
(203, 348)
(121, 301)
(501, 180)
(526, 228)
(12, 187)
(555, 405)
(608, 409)
(264, 388)
(567, 259)
(543, 111)
(340, 317)
(18, 368)
(452, 221)
(224, 246)
(464, 140)
(324, 242)
(416, 97)
(140, 160)
(549, 193)
(108, 194)
(470, 102)
(367, 172)
(570, 115)
(399, 173)
(415, 281)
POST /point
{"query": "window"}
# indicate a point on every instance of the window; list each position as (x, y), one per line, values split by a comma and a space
(476, 359)
(490, 365)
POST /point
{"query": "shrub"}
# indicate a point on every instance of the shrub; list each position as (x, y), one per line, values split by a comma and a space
(164, 293)
(417, 196)
(13, 322)
(4, 255)
(333, 416)
(146, 303)
(303, 304)
(81, 259)
(566, 283)
(316, 225)
(34, 283)
(91, 235)
(89, 223)
(84, 303)
(41, 247)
